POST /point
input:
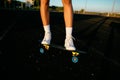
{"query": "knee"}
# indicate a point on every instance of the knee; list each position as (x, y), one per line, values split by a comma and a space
(44, 2)
(66, 2)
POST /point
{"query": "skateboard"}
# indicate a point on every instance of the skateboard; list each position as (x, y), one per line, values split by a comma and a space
(75, 53)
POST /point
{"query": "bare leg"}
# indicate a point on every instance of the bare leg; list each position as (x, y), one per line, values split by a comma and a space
(44, 10)
(68, 13)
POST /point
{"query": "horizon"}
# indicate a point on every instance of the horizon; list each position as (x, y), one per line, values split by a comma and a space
(94, 5)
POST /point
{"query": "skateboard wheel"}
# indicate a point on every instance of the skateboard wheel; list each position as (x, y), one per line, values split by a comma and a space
(74, 59)
(41, 50)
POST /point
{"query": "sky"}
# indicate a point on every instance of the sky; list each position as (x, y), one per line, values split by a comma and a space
(91, 5)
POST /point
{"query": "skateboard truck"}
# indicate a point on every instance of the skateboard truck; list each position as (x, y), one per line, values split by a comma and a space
(46, 46)
(75, 53)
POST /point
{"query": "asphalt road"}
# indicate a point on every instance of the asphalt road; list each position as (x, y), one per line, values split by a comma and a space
(19, 47)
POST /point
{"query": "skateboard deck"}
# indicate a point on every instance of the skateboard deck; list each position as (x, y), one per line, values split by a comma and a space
(75, 53)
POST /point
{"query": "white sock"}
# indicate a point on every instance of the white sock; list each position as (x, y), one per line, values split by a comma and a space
(68, 32)
(46, 28)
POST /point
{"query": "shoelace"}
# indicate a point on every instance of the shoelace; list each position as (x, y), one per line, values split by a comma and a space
(70, 40)
(73, 38)
(46, 34)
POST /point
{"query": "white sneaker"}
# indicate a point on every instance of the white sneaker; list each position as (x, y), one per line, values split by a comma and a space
(69, 44)
(47, 38)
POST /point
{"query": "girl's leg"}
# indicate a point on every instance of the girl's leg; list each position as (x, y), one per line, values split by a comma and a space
(68, 17)
(44, 12)
(68, 13)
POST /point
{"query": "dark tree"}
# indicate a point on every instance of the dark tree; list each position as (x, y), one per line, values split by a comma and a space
(37, 3)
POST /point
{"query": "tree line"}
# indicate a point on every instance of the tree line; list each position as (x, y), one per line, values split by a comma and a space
(15, 3)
